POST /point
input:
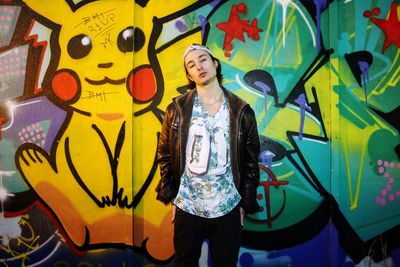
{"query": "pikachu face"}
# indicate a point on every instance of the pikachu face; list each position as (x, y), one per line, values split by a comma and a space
(95, 59)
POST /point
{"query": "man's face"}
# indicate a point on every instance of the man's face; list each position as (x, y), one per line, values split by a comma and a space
(201, 68)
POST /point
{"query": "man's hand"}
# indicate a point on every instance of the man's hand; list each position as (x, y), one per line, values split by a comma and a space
(242, 213)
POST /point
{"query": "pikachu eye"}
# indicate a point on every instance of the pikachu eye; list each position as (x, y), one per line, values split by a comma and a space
(79, 46)
(130, 39)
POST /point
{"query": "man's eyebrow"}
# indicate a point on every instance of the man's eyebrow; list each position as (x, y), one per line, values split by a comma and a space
(201, 56)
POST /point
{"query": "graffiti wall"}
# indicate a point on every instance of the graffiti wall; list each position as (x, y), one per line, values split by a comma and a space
(83, 90)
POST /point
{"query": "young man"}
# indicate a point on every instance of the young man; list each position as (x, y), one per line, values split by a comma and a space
(208, 157)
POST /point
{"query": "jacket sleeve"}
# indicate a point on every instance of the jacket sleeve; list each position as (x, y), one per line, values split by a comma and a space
(165, 188)
(249, 166)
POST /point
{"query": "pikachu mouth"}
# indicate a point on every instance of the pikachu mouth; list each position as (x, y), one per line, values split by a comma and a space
(110, 116)
(105, 81)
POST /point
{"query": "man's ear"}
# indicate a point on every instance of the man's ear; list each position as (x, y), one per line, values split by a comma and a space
(216, 64)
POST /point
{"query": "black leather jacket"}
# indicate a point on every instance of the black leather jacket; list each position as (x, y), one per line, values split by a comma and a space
(245, 148)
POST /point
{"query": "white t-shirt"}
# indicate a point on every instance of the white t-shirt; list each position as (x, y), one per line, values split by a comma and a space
(207, 188)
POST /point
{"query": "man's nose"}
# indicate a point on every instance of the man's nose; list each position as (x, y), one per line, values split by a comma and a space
(199, 66)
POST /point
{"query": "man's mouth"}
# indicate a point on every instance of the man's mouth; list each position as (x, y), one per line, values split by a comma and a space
(203, 74)
(105, 80)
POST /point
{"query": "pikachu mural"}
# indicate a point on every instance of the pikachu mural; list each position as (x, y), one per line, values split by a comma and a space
(83, 89)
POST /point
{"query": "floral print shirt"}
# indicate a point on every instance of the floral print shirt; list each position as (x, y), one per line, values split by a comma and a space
(207, 188)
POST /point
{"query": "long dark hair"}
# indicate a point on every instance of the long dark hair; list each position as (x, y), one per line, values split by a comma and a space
(220, 78)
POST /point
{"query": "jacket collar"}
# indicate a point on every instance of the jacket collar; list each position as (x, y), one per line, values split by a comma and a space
(185, 102)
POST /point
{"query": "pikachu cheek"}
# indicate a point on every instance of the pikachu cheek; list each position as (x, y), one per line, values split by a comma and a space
(66, 86)
(141, 84)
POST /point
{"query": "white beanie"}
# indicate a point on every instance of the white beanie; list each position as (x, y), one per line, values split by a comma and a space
(193, 47)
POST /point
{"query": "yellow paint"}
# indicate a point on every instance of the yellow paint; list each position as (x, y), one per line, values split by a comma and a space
(267, 32)
(353, 196)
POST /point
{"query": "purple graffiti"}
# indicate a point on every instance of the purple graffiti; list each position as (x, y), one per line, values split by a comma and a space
(181, 26)
(266, 157)
(203, 23)
(364, 67)
(266, 89)
(215, 3)
(319, 5)
(301, 101)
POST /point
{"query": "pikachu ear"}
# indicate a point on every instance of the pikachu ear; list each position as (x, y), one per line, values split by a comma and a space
(57, 11)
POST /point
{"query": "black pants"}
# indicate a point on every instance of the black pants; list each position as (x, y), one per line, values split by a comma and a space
(223, 234)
